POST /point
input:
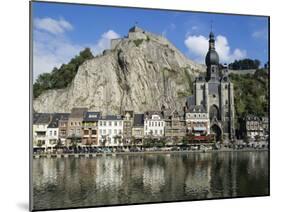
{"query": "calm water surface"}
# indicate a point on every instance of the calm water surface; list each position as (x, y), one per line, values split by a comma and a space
(123, 179)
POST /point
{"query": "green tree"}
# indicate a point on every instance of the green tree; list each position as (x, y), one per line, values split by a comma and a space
(60, 77)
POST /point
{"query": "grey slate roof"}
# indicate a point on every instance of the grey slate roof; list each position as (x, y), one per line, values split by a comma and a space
(150, 113)
(138, 120)
(42, 118)
(78, 112)
(55, 119)
(252, 117)
(36, 117)
(111, 117)
(91, 116)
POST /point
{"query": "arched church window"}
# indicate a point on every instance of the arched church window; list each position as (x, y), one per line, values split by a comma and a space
(214, 112)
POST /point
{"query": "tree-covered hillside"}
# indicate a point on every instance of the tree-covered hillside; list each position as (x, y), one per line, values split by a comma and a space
(251, 94)
(244, 64)
(60, 77)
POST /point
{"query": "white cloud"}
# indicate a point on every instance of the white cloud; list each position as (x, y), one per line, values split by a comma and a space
(261, 33)
(51, 51)
(51, 25)
(198, 46)
(52, 47)
(104, 42)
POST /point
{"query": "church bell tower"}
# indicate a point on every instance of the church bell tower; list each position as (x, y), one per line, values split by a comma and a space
(212, 60)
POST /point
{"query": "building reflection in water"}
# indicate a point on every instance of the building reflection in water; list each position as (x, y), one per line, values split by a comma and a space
(123, 179)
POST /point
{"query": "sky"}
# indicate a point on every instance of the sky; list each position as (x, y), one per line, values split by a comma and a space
(61, 31)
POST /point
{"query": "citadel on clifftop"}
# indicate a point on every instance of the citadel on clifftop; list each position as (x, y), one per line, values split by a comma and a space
(207, 116)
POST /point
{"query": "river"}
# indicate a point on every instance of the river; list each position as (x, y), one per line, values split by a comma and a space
(143, 178)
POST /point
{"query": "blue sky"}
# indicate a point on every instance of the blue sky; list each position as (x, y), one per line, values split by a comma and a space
(60, 31)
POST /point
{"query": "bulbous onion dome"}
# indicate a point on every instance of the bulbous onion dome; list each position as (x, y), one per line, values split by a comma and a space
(212, 58)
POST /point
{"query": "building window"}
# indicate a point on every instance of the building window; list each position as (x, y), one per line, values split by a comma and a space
(50, 133)
(115, 123)
(104, 132)
(94, 132)
(115, 131)
(109, 123)
(86, 132)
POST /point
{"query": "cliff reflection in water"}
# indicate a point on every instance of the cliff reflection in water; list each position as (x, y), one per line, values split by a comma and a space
(123, 179)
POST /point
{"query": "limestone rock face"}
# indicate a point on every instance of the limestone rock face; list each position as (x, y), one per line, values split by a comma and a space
(140, 72)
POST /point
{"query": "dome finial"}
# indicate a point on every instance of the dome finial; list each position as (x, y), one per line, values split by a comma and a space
(211, 36)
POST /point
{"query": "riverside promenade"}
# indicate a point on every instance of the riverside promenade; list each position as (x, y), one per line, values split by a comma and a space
(93, 155)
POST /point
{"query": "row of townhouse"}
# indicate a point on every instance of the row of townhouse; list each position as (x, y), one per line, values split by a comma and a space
(85, 128)
(256, 127)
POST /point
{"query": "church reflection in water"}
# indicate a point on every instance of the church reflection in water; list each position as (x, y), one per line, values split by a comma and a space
(125, 179)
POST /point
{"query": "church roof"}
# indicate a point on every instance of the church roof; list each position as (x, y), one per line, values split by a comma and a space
(212, 57)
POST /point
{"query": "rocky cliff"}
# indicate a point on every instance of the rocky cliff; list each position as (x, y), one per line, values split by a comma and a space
(140, 72)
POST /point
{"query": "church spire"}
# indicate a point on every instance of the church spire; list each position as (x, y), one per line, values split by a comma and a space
(212, 58)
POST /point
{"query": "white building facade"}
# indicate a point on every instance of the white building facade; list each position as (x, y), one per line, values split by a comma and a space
(110, 130)
(154, 124)
(197, 121)
(40, 127)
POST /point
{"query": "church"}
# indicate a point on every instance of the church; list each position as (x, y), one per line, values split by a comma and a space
(214, 93)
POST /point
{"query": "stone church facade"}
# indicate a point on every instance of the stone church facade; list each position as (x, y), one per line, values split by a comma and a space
(214, 92)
